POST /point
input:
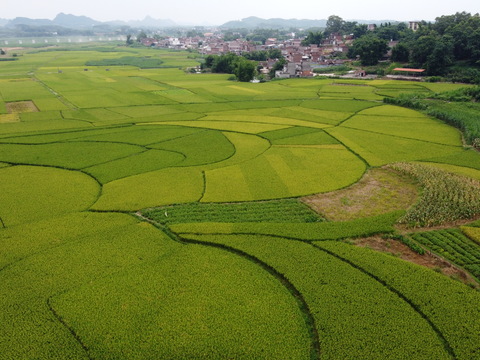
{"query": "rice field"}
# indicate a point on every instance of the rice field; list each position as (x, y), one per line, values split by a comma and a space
(155, 213)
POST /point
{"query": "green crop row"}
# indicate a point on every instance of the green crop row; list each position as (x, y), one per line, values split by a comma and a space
(140, 62)
(284, 172)
(468, 158)
(196, 302)
(452, 307)
(418, 127)
(287, 211)
(310, 231)
(445, 196)
(380, 149)
(454, 246)
(354, 313)
(30, 193)
(407, 241)
(200, 148)
(462, 115)
(72, 155)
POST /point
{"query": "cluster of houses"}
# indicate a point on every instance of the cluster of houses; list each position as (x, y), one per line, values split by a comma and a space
(301, 60)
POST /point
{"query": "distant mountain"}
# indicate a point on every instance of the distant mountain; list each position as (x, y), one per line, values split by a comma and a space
(83, 22)
(255, 22)
(29, 22)
(151, 22)
(3, 22)
(74, 22)
(148, 22)
(63, 20)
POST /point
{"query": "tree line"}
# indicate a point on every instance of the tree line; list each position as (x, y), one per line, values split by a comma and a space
(448, 47)
(244, 66)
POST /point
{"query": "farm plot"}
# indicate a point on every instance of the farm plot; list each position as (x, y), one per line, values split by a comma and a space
(379, 149)
(288, 210)
(247, 147)
(419, 127)
(343, 91)
(459, 170)
(30, 127)
(79, 278)
(30, 193)
(453, 245)
(139, 135)
(357, 326)
(314, 115)
(71, 155)
(235, 126)
(199, 303)
(467, 158)
(147, 161)
(23, 90)
(239, 117)
(155, 188)
(445, 197)
(29, 283)
(300, 231)
(451, 306)
(204, 147)
(472, 232)
(277, 135)
(318, 138)
(284, 172)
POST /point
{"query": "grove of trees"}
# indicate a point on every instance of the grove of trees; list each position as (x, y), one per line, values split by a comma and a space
(244, 69)
(448, 47)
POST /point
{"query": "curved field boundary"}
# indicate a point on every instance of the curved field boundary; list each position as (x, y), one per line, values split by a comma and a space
(70, 330)
(446, 348)
(315, 350)
(302, 303)
(397, 292)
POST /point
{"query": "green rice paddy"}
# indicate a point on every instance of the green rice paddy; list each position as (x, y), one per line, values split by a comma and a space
(155, 214)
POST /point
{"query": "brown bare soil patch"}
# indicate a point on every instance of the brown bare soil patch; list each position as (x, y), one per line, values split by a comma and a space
(429, 260)
(21, 107)
(380, 191)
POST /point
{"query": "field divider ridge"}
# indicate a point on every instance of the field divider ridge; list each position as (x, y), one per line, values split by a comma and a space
(70, 330)
(309, 319)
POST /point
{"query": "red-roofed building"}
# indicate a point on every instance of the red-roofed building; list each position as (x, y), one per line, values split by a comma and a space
(408, 70)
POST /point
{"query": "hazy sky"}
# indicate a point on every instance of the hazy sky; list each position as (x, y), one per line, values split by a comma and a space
(217, 12)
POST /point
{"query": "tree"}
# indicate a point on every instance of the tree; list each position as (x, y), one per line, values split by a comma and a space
(387, 32)
(360, 30)
(224, 64)
(370, 49)
(275, 54)
(2, 52)
(209, 59)
(443, 23)
(422, 48)
(129, 40)
(313, 38)
(348, 27)
(141, 36)
(278, 66)
(245, 70)
(400, 53)
(334, 24)
(441, 56)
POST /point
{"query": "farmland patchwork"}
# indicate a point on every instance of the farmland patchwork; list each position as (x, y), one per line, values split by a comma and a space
(147, 212)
